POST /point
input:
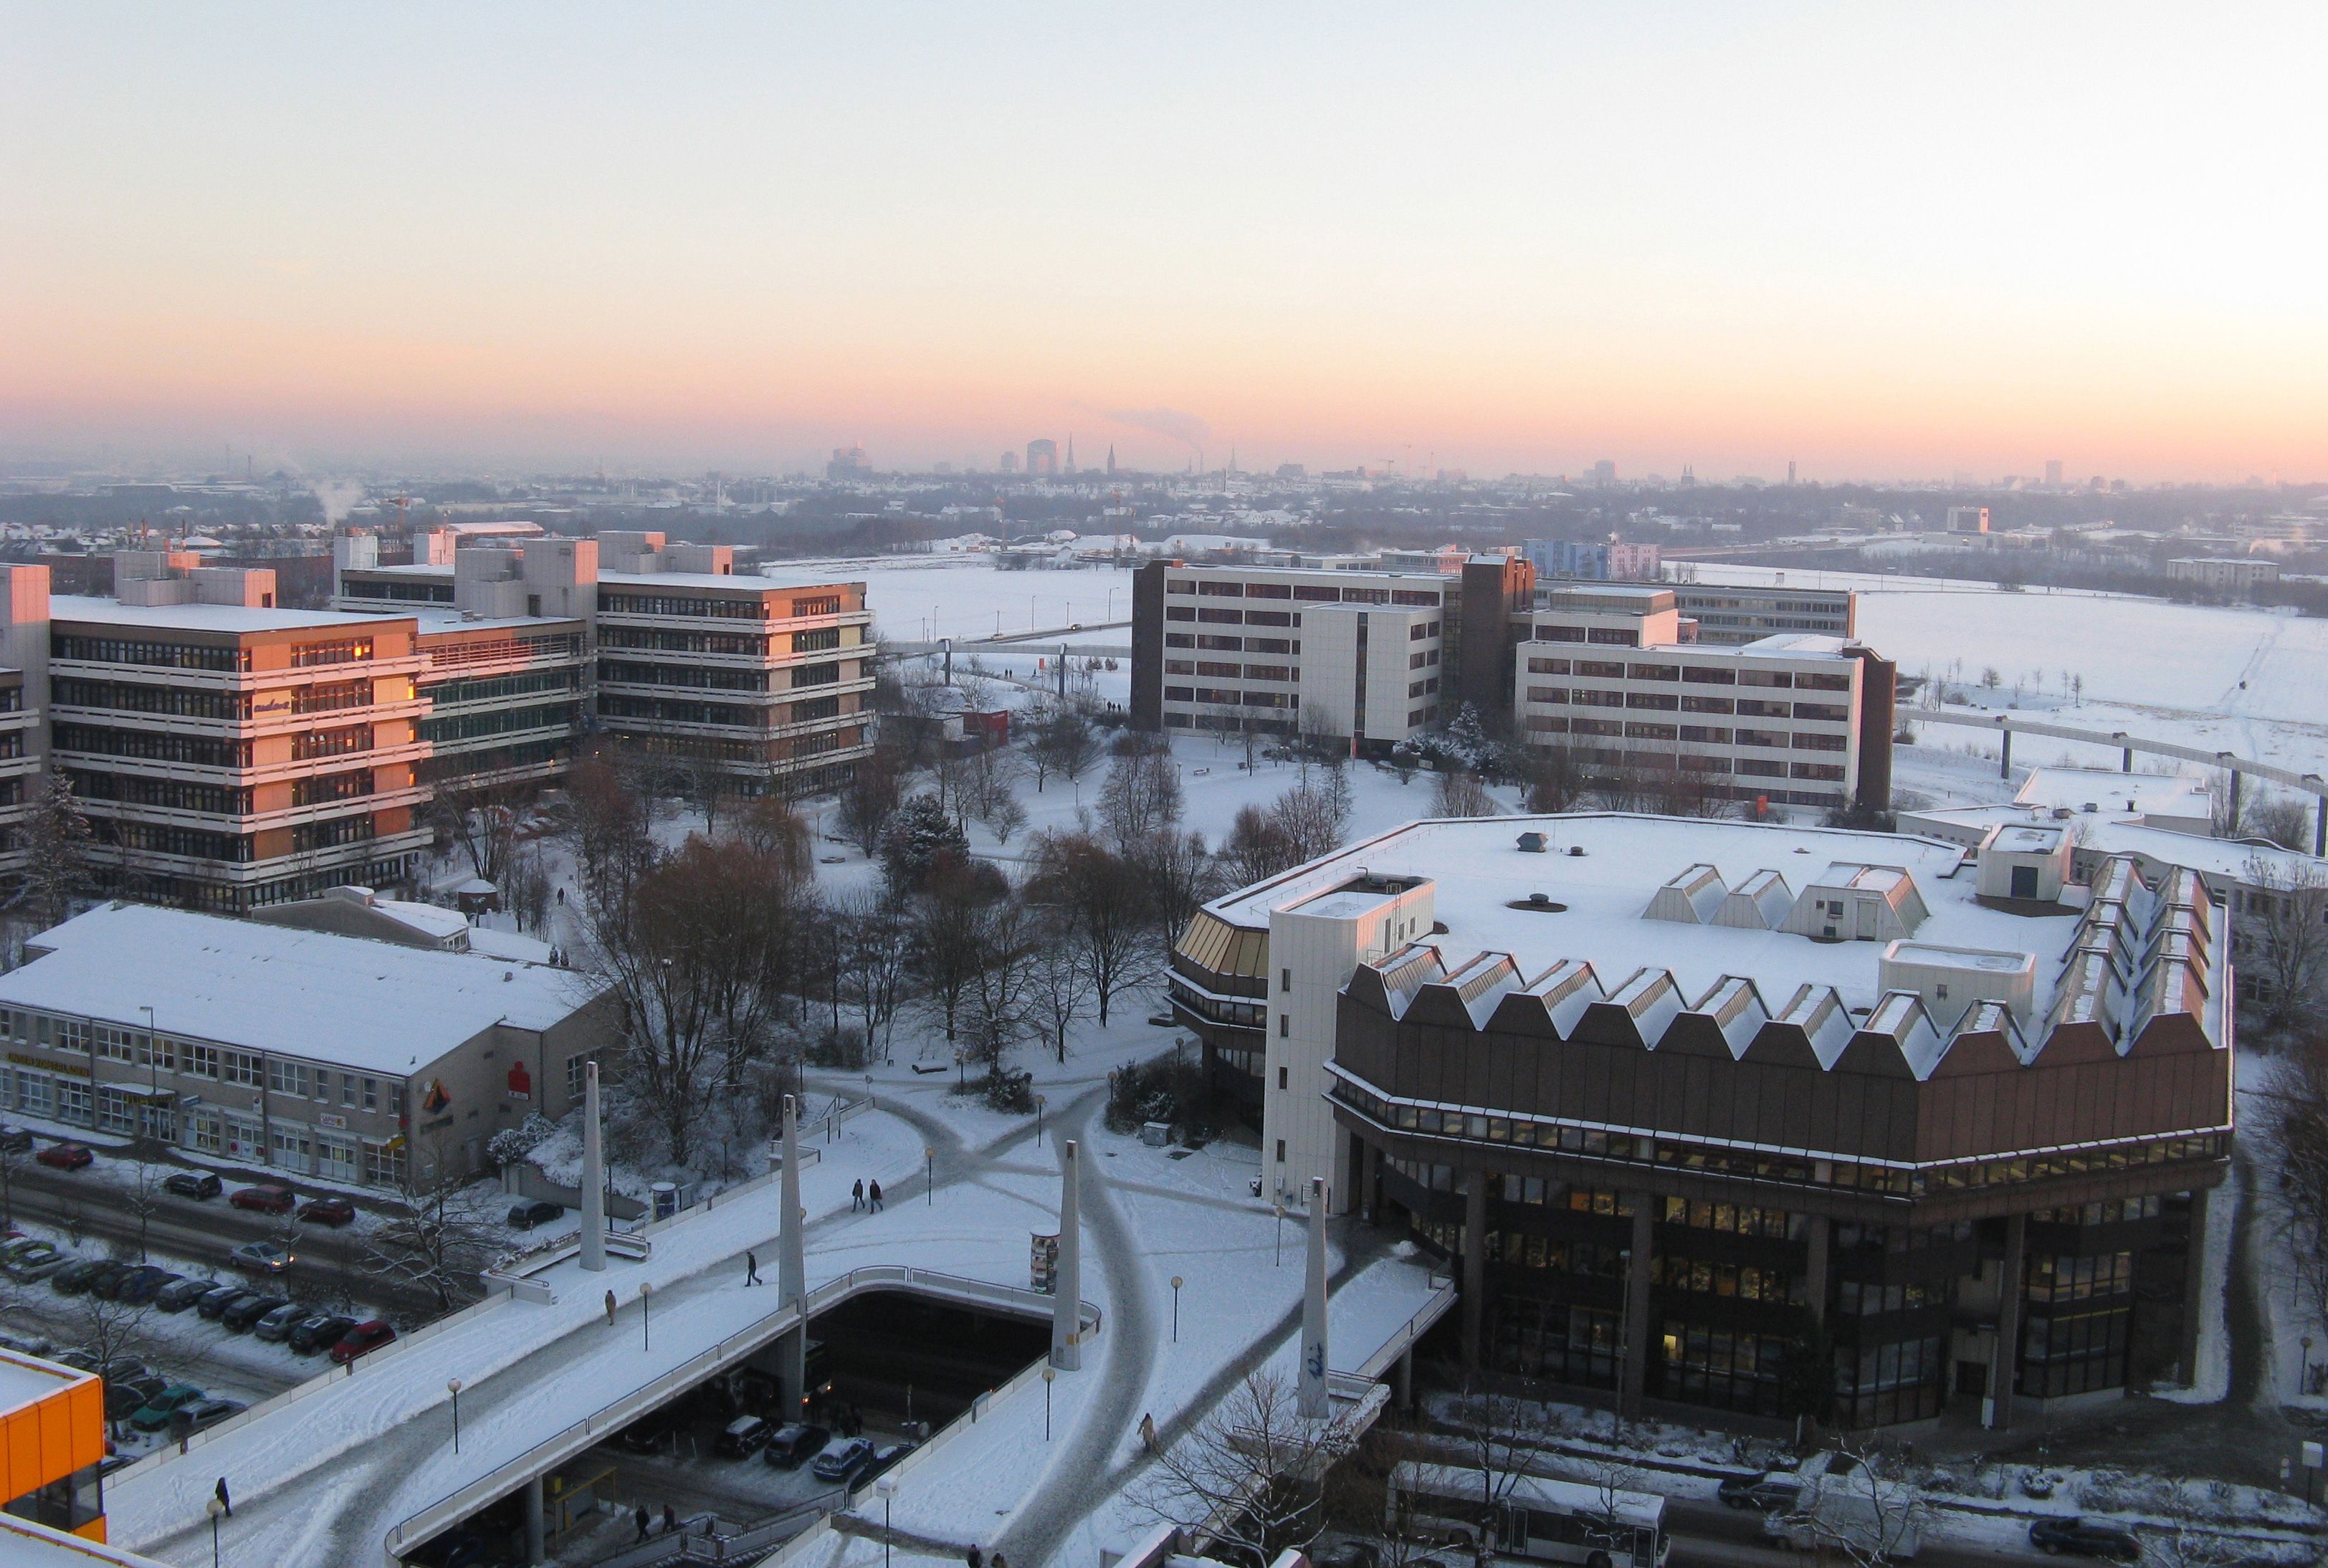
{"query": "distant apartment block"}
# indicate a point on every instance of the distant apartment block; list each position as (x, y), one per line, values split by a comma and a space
(1593, 561)
(1733, 616)
(1042, 458)
(1967, 519)
(2224, 574)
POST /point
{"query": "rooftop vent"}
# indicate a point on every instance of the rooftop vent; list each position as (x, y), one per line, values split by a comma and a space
(1532, 843)
(1577, 850)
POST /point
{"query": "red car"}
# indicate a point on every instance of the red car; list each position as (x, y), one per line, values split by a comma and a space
(362, 1339)
(264, 1199)
(66, 1156)
(331, 1211)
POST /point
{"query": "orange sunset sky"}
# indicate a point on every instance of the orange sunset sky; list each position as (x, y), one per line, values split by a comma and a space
(1882, 241)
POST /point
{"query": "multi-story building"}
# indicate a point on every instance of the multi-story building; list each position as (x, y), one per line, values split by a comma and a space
(2225, 574)
(1791, 719)
(1732, 615)
(1593, 560)
(1715, 1113)
(1368, 657)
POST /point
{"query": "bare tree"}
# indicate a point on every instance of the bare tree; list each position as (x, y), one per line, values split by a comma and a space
(2280, 818)
(1314, 814)
(1556, 779)
(1060, 993)
(1871, 1511)
(1319, 738)
(2295, 1118)
(1061, 741)
(1179, 875)
(528, 889)
(1257, 846)
(2284, 928)
(12, 1161)
(1002, 999)
(876, 959)
(608, 818)
(1141, 798)
(1501, 1432)
(1456, 793)
(1248, 1476)
(698, 774)
(481, 819)
(142, 1195)
(948, 934)
(1103, 911)
(437, 1245)
(874, 790)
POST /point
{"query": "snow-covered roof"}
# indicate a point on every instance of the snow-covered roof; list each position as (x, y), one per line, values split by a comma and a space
(23, 1379)
(235, 618)
(747, 581)
(2107, 789)
(2224, 862)
(439, 619)
(374, 1006)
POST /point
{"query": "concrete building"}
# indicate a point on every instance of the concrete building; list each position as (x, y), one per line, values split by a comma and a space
(1685, 1102)
(1967, 519)
(1375, 657)
(2178, 802)
(52, 1441)
(2224, 574)
(1733, 615)
(1593, 560)
(316, 1054)
(1042, 458)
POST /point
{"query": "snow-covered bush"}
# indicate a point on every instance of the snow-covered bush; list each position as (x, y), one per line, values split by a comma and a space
(511, 1145)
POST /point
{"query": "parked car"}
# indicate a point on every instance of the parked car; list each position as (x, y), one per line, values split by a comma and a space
(243, 1316)
(211, 1411)
(66, 1156)
(121, 1369)
(16, 1141)
(276, 1326)
(526, 1216)
(140, 1285)
(16, 1242)
(887, 1455)
(2083, 1538)
(197, 1185)
(106, 1284)
(362, 1339)
(745, 1436)
(267, 1198)
(37, 1262)
(131, 1395)
(73, 1279)
(261, 1257)
(648, 1434)
(184, 1293)
(318, 1331)
(27, 1345)
(330, 1211)
(796, 1444)
(219, 1299)
(156, 1412)
(1762, 1491)
(842, 1465)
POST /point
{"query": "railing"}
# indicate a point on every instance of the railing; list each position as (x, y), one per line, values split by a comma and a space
(450, 1509)
(1442, 1297)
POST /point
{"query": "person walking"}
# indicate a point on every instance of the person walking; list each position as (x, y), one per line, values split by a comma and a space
(224, 1501)
(974, 1557)
(640, 1519)
(751, 1268)
(1148, 1431)
(670, 1520)
(857, 1195)
(873, 1197)
(610, 1308)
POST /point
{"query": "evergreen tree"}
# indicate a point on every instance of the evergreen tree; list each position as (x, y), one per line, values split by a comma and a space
(916, 835)
(56, 852)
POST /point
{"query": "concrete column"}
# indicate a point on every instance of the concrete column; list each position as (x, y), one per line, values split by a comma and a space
(1067, 1283)
(1633, 1381)
(1404, 1387)
(1997, 1413)
(2125, 760)
(2320, 828)
(594, 1174)
(2234, 817)
(1314, 1404)
(792, 1255)
(1475, 1262)
(2194, 1287)
(534, 1552)
(1369, 1167)
(2004, 768)
(1815, 1274)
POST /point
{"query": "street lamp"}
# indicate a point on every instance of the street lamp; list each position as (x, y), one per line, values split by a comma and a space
(646, 1289)
(1038, 1121)
(887, 1487)
(214, 1509)
(452, 1387)
(929, 1176)
(1049, 1373)
(1281, 1235)
(1176, 1309)
(2303, 1380)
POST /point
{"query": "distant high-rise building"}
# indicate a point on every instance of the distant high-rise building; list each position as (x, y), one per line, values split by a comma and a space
(1008, 463)
(1042, 457)
(1967, 519)
(1292, 470)
(1111, 459)
(849, 462)
(2052, 474)
(1604, 472)
(1790, 471)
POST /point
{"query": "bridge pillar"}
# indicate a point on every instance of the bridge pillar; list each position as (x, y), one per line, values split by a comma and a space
(2004, 768)
(1313, 1403)
(2320, 829)
(2125, 760)
(533, 1533)
(2233, 820)
(594, 1174)
(1067, 1280)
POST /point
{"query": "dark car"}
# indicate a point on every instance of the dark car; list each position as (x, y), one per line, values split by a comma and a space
(194, 1183)
(16, 1141)
(362, 1339)
(842, 1465)
(276, 1326)
(66, 1156)
(211, 1411)
(318, 1331)
(219, 1299)
(2079, 1538)
(330, 1211)
(106, 1284)
(131, 1395)
(796, 1444)
(142, 1284)
(181, 1294)
(156, 1412)
(1764, 1492)
(73, 1279)
(887, 1455)
(745, 1436)
(526, 1216)
(243, 1316)
(267, 1198)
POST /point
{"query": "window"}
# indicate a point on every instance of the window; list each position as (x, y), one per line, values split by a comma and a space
(241, 1067)
(1285, 979)
(286, 1077)
(1280, 1077)
(577, 1073)
(372, 1093)
(201, 1061)
(1558, 694)
(1599, 669)
(395, 1096)
(1280, 1151)
(348, 1090)
(1231, 590)
(1547, 666)
(1179, 586)
(1285, 1025)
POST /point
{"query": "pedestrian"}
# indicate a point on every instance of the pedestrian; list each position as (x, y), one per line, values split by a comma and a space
(561, 892)
(610, 1308)
(975, 1558)
(998, 1561)
(751, 1268)
(1148, 1431)
(640, 1519)
(224, 1501)
(857, 1195)
(873, 1197)
(670, 1520)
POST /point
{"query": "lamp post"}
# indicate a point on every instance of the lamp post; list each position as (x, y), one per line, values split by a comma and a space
(1176, 1309)
(153, 1076)
(2303, 1379)
(646, 1340)
(929, 1176)
(887, 1487)
(1281, 1235)
(1049, 1373)
(452, 1387)
(1038, 1121)
(214, 1509)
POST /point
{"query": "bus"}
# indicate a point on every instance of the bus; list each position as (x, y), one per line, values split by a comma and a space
(1532, 1516)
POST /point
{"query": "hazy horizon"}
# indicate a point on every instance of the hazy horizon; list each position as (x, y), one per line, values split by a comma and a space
(1876, 242)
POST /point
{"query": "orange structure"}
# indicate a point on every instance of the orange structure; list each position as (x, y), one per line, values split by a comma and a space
(52, 1439)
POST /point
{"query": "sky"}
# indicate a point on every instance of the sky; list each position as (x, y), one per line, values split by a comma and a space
(1878, 241)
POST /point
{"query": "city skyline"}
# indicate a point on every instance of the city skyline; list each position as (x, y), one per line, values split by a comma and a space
(1874, 245)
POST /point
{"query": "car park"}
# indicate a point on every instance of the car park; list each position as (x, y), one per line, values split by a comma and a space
(73, 1279)
(318, 1331)
(844, 1465)
(745, 1436)
(197, 1185)
(141, 1284)
(526, 1216)
(362, 1339)
(651, 1431)
(37, 1262)
(17, 1243)
(243, 1316)
(66, 1156)
(156, 1412)
(276, 1326)
(796, 1444)
(125, 1398)
(261, 1258)
(219, 1299)
(266, 1198)
(181, 1294)
(2079, 1537)
(330, 1211)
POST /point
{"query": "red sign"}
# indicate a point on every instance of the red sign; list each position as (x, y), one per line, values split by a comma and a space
(521, 1082)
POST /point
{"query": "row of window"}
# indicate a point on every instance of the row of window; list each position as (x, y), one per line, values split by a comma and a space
(494, 687)
(491, 721)
(1313, 593)
(154, 746)
(137, 650)
(2054, 1279)
(1212, 642)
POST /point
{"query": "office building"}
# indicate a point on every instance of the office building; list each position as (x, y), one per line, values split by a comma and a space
(2224, 574)
(1592, 561)
(2052, 474)
(1685, 1102)
(1733, 615)
(1967, 519)
(1042, 458)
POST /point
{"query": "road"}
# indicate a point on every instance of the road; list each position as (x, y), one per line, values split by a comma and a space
(1709, 1536)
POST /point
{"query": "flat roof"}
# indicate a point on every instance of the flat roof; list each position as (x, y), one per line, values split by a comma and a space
(235, 618)
(439, 619)
(2107, 789)
(1480, 872)
(750, 582)
(345, 1001)
(2227, 860)
(26, 1379)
